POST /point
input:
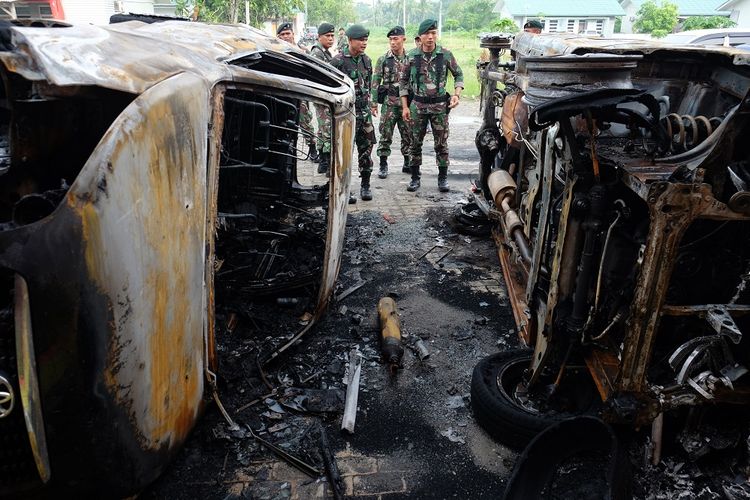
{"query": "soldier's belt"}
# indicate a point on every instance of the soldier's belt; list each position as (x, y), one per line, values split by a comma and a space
(429, 100)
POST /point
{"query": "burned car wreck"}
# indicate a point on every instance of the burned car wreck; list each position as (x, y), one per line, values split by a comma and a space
(617, 180)
(149, 182)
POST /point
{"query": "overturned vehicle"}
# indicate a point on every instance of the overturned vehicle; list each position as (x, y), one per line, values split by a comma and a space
(618, 181)
(149, 176)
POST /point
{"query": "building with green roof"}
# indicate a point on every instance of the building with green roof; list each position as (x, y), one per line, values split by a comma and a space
(592, 17)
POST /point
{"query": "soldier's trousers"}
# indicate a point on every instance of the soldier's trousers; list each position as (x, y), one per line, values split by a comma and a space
(390, 117)
(364, 138)
(305, 122)
(439, 123)
(324, 128)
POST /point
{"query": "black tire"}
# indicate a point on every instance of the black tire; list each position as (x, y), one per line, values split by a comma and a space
(498, 411)
(469, 220)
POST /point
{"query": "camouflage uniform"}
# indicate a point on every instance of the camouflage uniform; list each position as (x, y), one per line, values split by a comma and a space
(341, 43)
(305, 122)
(322, 112)
(429, 93)
(388, 72)
(359, 69)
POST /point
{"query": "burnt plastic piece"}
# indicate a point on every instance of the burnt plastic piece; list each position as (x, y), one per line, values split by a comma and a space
(561, 441)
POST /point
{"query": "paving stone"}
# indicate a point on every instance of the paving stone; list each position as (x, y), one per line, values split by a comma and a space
(381, 482)
(395, 464)
(357, 465)
(282, 471)
(311, 490)
(270, 490)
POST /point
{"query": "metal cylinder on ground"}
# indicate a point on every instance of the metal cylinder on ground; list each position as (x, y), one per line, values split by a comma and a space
(390, 333)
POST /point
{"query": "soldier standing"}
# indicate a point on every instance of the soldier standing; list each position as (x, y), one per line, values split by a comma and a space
(342, 41)
(426, 76)
(385, 81)
(285, 32)
(355, 64)
(320, 51)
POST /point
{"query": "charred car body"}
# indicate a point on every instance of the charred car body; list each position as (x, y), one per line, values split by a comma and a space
(618, 181)
(144, 168)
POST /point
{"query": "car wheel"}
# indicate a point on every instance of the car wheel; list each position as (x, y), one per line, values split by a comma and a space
(511, 415)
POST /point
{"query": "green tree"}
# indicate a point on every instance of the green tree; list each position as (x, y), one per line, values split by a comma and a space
(233, 11)
(707, 23)
(659, 20)
(472, 14)
(506, 25)
(337, 12)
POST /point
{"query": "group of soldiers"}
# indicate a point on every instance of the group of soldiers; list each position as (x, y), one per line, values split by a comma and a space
(408, 87)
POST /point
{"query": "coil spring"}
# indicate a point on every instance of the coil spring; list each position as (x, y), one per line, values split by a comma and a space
(687, 131)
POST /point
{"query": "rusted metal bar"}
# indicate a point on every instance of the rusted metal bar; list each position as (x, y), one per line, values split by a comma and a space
(287, 457)
(702, 309)
(657, 430)
(331, 468)
(665, 233)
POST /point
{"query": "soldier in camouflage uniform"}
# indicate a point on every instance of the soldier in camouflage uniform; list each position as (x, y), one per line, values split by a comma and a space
(426, 76)
(285, 32)
(355, 64)
(385, 80)
(342, 41)
(320, 51)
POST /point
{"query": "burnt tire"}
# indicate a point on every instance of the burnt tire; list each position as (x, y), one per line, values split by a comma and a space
(468, 219)
(499, 413)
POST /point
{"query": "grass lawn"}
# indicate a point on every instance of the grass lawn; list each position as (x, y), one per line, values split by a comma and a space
(465, 46)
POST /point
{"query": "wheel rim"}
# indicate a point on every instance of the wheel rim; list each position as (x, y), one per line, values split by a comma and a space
(510, 383)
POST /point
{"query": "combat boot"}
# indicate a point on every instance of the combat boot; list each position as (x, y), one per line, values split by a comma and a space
(415, 182)
(383, 172)
(325, 163)
(364, 190)
(406, 168)
(443, 183)
(312, 153)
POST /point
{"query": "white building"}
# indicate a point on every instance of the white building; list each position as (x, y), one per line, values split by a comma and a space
(570, 16)
(739, 12)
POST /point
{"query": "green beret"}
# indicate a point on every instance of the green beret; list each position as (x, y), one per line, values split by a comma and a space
(325, 28)
(357, 31)
(534, 24)
(396, 31)
(427, 25)
(284, 27)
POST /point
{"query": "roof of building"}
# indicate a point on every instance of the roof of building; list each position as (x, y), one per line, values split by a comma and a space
(729, 4)
(547, 8)
(691, 7)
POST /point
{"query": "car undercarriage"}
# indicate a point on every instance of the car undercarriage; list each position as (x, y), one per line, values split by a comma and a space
(617, 179)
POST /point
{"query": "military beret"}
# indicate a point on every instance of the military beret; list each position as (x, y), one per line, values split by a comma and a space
(357, 31)
(396, 31)
(284, 27)
(427, 25)
(325, 28)
(533, 24)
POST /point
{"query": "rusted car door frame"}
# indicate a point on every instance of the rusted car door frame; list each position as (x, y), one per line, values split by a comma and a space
(342, 146)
